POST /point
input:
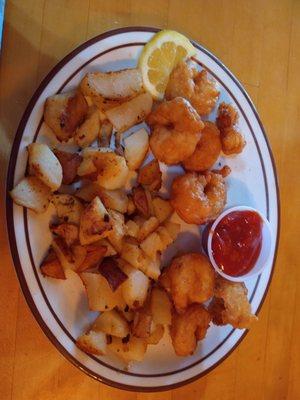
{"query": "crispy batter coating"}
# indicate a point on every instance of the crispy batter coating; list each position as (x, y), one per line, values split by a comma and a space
(189, 279)
(207, 150)
(175, 130)
(230, 304)
(194, 86)
(232, 140)
(198, 198)
(188, 328)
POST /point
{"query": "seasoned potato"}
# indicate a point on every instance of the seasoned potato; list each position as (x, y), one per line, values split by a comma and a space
(131, 112)
(51, 266)
(142, 201)
(105, 133)
(113, 85)
(149, 226)
(150, 176)
(44, 165)
(135, 288)
(68, 208)
(114, 199)
(152, 245)
(132, 253)
(69, 232)
(133, 350)
(151, 267)
(30, 192)
(95, 222)
(87, 169)
(136, 148)
(156, 334)
(93, 343)
(64, 112)
(118, 231)
(110, 251)
(131, 206)
(88, 131)
(112, 169)
(165, 237)
(142, 323)
(100, 295)
(162, 209)
(88, 192)
(79, 255)
(63, 253)
(94, 256)
(111, 323)
(111, 271)
(132, 228)
(70, 163)
(161, 307)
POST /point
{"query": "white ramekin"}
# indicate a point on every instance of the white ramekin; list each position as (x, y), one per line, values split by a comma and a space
(267, 240)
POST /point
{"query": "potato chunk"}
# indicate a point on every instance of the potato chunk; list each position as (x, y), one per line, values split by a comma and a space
(136, 148)
(68, 208)
(111, 323)
(93, 343)
(64, 113)
(162, 209)
(150, 176)
(44, 165)
(131, 112)
(88, 131)
(30, 192)
(70, 163)
(51, 266)
(133, 350)
(95, 222)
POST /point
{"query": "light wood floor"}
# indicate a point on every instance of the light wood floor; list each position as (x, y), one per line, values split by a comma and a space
(260, 42)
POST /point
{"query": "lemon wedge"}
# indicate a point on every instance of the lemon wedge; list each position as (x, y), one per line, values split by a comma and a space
(158, 58)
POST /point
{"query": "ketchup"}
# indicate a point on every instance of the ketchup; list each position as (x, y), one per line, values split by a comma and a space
(237, 241)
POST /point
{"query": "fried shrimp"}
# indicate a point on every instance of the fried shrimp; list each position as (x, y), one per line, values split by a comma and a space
(198, 198)
(232, 140)
(188, 328)
(175, 130)
(194, 86)
(207, 150)
(230, 304)
(189, 279)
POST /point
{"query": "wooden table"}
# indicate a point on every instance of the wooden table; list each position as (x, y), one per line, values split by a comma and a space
(260, 42)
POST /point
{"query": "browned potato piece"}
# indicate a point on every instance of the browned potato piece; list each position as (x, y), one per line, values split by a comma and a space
(111, 323)
(87, 169)
(100, 295)
(116, 200)
(69, 232)
(136, 148)
(150, 175)
(51, 266)
(64, 113)
(132, 228)
(162, 209)
(149, 226)
(30, 192)
(142, 323)
(118, 231)
(94, 256)
(161, 307)
(133, 350)
(131, 112)
(112, 85)
(189, 279)
(93, 343)
(95, 222)
(105, 133)
(189, 327)
(88, 131)
(130, 206)
(44, 165)
(88, 192)
(142, 201)
(156, 334)
(63, 253)
(111, 271)
(79, 254)
(152, 245)
(70, 163)
(68, 208)
(173, 229)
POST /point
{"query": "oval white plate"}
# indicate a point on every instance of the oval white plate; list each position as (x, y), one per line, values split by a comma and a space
(60, 307)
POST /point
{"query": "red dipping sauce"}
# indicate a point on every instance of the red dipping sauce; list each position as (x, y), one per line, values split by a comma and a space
(237, 241)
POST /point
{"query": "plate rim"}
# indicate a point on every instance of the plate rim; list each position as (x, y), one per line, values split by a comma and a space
(9, 209)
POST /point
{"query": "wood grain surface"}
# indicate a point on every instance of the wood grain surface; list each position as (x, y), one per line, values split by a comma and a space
(260, 42)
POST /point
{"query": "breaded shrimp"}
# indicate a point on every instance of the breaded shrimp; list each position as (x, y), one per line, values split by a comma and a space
(175, 130)
(198, 198)
(189, 279)
(194, 86)
(232, 140)
(207, 150)
(188, 328)
(230, 304)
